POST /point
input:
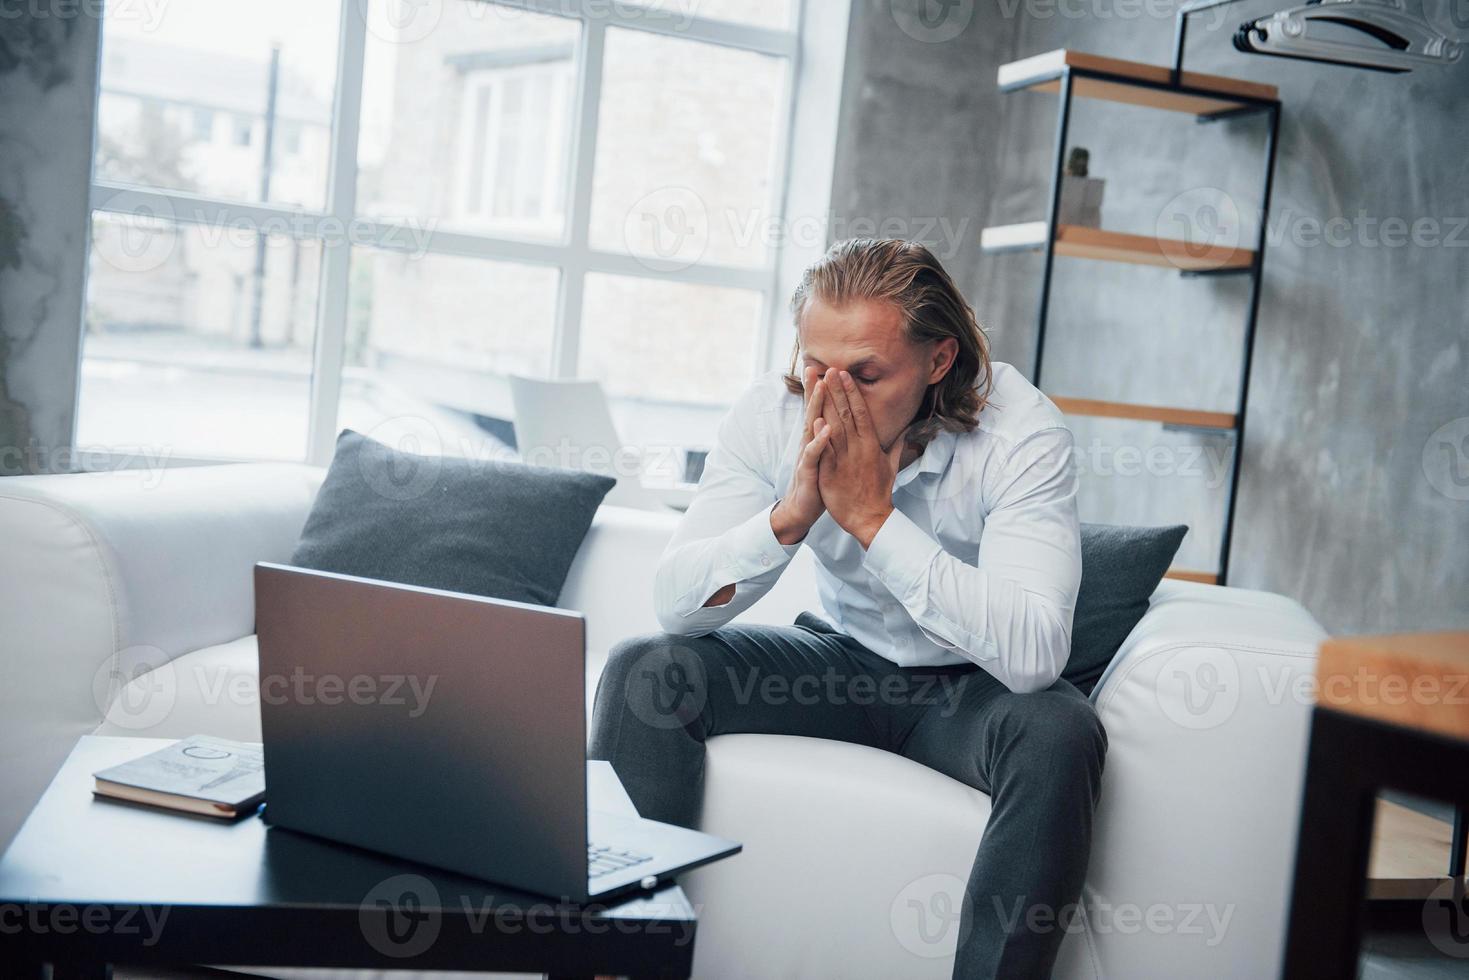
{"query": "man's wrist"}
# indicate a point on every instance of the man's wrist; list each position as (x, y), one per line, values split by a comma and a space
(787, 531)
(865, 529)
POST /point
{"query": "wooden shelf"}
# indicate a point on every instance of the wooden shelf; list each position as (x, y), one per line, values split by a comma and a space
(1186, 575)
(1207, 98)
(1190, 417)
(1079, 242)
(1411, 658)
(1134, 82)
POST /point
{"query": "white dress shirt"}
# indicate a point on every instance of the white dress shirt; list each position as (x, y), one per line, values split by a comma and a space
(979, 561)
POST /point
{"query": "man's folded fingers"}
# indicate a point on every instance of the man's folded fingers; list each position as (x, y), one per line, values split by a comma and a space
(835, 426)
(836, 403)
(812, 410)
(818, 442)
(837, 395)
(861, 421)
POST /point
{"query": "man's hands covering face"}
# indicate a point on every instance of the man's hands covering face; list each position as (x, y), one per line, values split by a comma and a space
(842, 467)
(855, 475)
(802, 505)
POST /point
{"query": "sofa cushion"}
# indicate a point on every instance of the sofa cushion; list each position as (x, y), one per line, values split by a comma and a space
(1120, 568)
(211, 691)
(497, 528)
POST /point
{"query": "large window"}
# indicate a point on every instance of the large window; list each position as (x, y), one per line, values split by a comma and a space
(309, 215)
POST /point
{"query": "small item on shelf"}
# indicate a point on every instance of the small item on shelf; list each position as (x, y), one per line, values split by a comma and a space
(212, 776)
(1081, 195)
(1078, 161)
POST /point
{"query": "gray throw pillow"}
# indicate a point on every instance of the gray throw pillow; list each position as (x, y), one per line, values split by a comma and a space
(493, 528)
(1120, 568)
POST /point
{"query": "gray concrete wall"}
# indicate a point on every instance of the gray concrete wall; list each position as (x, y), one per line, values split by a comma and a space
(1355, 486)
(918, 142)
(48, 80)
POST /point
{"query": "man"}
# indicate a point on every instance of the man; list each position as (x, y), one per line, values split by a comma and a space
(938, 493)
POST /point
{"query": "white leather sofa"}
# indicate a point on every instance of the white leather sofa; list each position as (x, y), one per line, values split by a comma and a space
(854, 859)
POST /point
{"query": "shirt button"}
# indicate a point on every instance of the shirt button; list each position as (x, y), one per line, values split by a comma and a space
(765, 560)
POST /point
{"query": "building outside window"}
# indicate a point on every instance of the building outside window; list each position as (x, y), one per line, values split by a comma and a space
(514, 122)
(244, 130)
(203, 125)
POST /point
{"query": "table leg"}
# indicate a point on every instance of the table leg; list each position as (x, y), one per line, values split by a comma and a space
(1334, 842)
(1459, 846)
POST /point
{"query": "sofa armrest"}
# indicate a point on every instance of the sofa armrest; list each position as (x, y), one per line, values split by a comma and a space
(1207, 709)
(104, 575)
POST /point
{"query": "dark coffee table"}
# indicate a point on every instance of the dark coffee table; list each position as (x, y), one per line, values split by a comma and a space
(90, 882)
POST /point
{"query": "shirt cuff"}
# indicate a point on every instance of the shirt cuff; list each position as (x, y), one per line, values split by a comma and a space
(754, 549)
(900, 555)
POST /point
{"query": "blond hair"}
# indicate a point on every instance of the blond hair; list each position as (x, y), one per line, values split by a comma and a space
(907, 275)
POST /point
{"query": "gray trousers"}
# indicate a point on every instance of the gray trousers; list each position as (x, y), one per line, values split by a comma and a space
(1038, 756)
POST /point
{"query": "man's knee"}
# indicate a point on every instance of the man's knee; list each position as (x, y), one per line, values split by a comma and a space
(627, 654)
(1060, 728)
(650, 653)
(660, 677)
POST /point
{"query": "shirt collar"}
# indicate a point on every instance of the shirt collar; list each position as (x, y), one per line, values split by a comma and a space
(934, 458)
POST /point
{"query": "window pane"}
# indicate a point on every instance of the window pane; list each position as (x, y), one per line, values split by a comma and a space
(185, 98)
(671, 356)
(188, 350)
(466, 117)
(435, 336)
(685, 150)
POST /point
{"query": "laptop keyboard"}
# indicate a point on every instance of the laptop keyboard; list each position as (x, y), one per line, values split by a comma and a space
(603, 859)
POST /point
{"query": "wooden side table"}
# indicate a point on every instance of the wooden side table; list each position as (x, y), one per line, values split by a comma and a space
(1392, 712)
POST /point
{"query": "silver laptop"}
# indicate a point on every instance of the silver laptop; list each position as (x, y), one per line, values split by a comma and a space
(448, 729)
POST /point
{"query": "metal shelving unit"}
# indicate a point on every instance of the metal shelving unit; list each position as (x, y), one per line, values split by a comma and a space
(1072, 75)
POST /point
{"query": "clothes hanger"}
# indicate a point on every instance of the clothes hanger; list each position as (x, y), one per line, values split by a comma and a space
(1392, 38)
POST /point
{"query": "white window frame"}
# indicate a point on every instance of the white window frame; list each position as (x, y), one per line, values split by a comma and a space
(806, 159)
